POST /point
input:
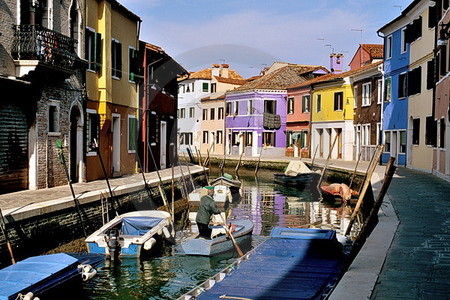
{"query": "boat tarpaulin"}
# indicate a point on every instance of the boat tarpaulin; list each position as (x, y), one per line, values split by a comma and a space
(138, 225)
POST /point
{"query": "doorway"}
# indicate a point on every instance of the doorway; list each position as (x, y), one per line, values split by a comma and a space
(76, 145)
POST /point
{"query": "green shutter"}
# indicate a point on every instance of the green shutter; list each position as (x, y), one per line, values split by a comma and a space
(132, 134)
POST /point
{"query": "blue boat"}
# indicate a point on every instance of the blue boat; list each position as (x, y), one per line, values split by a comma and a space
(132, 234)
(291, 264)
(38, 275)
(221, 243)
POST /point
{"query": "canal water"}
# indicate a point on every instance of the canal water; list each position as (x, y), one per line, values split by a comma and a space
(172, 274)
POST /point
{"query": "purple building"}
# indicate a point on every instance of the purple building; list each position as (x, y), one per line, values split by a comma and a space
(256, 111)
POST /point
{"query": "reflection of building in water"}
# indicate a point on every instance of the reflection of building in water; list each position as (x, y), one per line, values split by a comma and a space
(326, 217)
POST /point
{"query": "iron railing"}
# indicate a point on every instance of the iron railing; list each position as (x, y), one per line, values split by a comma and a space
(34, 42)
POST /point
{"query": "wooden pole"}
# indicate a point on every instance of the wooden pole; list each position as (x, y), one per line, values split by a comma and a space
(238, 249)
(161, 191)
(183, 180)
(62, 159)
(239, 163)
(314, 156)
(326, 162)
(259, 160)
(189, 172)
(5, 234)
(354, 172)
(374, 163)
(173, 195)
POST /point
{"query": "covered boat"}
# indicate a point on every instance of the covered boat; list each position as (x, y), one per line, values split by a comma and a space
(132, 234)
(297, 174)
(40, 275)
(220, 242)
(226, 180)
(338, 192)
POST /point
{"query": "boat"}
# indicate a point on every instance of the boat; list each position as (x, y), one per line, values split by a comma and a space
(226, 180)
(339, 192)
(293, 263)
(220, 242)
(42, 275)
(297, 174)
(222, 195)
(132, 234)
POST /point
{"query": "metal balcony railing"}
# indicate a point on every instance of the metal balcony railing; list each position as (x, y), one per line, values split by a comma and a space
(34, 42)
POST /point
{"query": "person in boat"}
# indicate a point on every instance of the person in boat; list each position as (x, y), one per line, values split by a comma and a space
(206, 209)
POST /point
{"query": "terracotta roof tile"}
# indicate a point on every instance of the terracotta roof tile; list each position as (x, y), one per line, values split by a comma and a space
(375, 50)
(207, 74)
(230, 80)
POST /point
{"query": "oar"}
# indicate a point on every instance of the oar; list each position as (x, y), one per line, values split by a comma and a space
(238, 249)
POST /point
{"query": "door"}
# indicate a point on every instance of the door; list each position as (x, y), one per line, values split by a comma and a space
(394, 150)
(163, 144)
(116, 143)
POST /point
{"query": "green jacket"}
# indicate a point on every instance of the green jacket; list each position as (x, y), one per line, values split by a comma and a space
(206, 209)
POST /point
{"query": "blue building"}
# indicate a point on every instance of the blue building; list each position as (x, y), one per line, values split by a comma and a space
(395, 104)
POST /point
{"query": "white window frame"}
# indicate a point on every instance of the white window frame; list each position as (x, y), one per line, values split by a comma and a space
(403, 45)
(365, 134)
(91, 50)
(191, 112)
(389, 47)
(379, 92)
(366, 94)
(56, 121)
(355, 96)
(290, 105)
(318, 105)
(112, 58)
(130, 49)
(92, 112)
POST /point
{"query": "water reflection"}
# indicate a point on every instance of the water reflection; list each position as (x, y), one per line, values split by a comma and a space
(172, 274)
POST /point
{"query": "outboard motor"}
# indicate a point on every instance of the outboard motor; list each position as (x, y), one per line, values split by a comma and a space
(113, 244)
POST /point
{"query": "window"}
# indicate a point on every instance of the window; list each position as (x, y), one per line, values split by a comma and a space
(93, 128)
(132, 133)
(388, 44)
(365, 137)
(379, 91)
(93, 47)
(236, 108)
(415, 81)
(191, 112)
(403, 41)
(289, 139)
(268, 139)
(133, 64)
(402, 141)
(188, 89)
(319, 103)
(212, 114)
(270, 107)
(205, 137)
(402, 79)
(205, 87)
(204, 114)
(387, 141)
(355, 96)
(416, 132)
(413, 31)
(443, 60)
(387, 90)
(53, 117)
(378, 141)
(116, 59)
(182, 113)
(442, 133)
(305, 103)
(219, 137)
(338, 101)
(366, 94)
(220, 113)
(235, 138)
(290, 105)
(250, 107)
(213, 87)
(228, 108)
(186, 138)
(248, 141)
(430, 131)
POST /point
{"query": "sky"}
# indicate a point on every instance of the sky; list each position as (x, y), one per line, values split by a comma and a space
(250, 35)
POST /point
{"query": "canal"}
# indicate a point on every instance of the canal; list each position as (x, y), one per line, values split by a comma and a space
(172, 274)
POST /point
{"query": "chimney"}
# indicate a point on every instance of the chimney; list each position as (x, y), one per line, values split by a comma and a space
(215, 70)
(224, 72)
(336, 62)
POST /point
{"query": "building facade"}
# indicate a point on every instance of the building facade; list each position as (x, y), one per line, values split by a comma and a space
(112, 43)
(42, 84)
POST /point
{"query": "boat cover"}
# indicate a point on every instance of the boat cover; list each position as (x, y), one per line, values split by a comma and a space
(32, 272)
(296, 167)
(138, 225)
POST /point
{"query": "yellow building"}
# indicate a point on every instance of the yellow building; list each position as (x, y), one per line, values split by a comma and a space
(111, 43)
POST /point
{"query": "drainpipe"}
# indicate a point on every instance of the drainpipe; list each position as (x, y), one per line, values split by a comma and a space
(380, 142)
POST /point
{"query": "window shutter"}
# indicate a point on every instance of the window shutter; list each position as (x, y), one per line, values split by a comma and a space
(98, 51)
(430, 74)
(432, 16)
(119, 60)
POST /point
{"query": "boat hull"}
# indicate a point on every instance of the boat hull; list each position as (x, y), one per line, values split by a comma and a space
(210, 247)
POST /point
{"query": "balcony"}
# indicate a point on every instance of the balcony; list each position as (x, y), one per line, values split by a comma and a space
(36, 45)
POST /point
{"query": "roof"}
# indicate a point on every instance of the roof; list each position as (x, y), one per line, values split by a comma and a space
(125, 11)
(335, 77)
(230, 80)
(402, 15)
(282, 78)
(374, 50)
(207, 74)
(161, 51)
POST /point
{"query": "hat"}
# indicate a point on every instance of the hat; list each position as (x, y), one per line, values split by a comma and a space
(209, 187)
